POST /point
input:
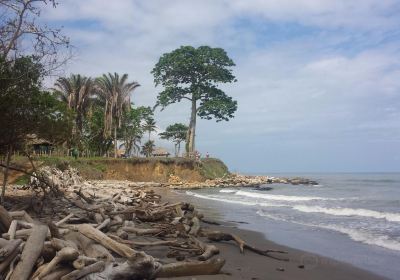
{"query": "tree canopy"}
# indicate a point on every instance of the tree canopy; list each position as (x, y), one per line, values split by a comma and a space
(176, 133)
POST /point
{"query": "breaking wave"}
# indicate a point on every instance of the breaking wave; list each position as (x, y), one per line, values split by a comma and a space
(281, 197)
(380, 240)
(391, 217)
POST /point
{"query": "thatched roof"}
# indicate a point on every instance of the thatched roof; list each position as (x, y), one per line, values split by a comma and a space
(160, 152)
(32, 139)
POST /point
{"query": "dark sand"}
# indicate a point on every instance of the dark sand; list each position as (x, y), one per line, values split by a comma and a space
(252, 266)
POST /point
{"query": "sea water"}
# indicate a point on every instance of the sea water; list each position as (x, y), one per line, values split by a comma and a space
(354, 218)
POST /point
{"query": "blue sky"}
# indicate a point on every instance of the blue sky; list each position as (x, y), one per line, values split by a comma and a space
(318, 80)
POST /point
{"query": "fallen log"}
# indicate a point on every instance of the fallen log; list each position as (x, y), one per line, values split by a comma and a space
(151, 216)
(100, 237)
(144, 243)
(65, 254)
(79, 273)
(89, 247)
(194, 230)
(32, 250)
(58, 273)
(5, 219)
(9, 248)
(139, 264)
(12, 229)
(142, 231)
(221, 236)
(208, 250)
(4, 265)
(83, 261)
(179, 269)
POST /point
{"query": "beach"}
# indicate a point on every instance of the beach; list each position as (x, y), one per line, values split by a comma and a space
(162, 214)
(253, 266)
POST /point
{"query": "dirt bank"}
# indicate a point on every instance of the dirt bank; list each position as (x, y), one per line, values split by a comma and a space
(137, 169)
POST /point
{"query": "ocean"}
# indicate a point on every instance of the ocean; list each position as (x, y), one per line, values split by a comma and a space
(354, 218)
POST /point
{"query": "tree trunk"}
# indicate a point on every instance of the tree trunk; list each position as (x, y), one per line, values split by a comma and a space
(192, 129)
(6, 170)
(115, 142)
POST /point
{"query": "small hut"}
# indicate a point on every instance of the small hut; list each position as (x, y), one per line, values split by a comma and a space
(160, 152)
(40, 146)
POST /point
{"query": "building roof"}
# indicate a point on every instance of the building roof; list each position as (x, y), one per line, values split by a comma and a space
(32, 139)
(160, 152)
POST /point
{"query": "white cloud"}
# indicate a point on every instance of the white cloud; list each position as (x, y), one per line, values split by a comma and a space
(324, 84)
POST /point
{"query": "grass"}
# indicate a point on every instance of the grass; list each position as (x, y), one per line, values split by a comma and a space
(212, 168)
(95, 167)
(22, 180)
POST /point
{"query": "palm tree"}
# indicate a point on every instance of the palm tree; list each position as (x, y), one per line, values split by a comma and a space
(76, 91)
(148, 148)
(149, 125)
(115, 92)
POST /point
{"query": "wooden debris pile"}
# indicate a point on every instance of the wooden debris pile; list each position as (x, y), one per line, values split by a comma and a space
(114, 231)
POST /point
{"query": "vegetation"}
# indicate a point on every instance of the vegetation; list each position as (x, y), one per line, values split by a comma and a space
(94, 116)
(114, 92)
(26, 109)
(148, 148)
(176, 133)
(149, 126)
(76, 91)
(193, 74)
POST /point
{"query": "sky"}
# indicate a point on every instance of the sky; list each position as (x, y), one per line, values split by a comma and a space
(318, 85)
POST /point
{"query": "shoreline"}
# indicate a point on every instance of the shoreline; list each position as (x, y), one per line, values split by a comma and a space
(253, 266)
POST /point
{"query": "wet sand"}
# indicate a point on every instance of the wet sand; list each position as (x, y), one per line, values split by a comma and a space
(301, 264)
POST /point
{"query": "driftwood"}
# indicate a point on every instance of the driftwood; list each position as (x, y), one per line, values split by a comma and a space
(100, 235)
(191, 268)
(89, 247)
(7, 261)
(141, 231)
(208, 250)
(79, 273)
(58, 273)
(221, 236)
(106, 241)
(83, 261)
(65, 254)
(194, 230)
(33, 248)
(5, 219)
(9, 248)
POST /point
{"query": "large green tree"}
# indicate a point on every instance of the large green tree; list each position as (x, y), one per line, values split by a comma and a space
(115, 90)
(176, 133)
(93, 132)
(193, 74)
(26, 109)
(132, 130)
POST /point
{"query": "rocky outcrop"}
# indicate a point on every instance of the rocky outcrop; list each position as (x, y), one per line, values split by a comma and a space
(236, 180)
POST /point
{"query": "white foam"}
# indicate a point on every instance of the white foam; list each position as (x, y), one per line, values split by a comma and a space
(368, 238)
(380, 240)
(248, 203)
(280, 197)
(391, 217)
(227, 191)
